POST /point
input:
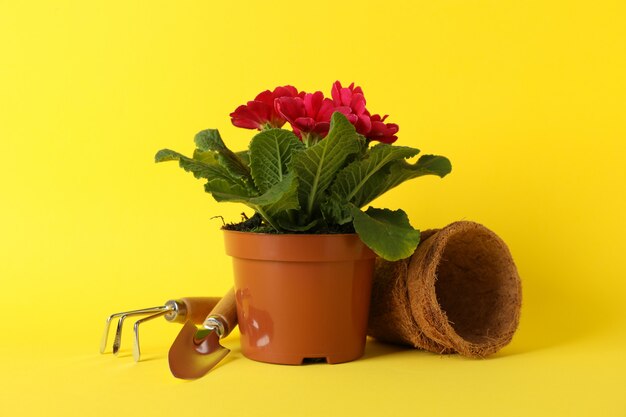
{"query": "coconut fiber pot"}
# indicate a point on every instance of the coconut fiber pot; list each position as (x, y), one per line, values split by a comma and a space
(301, 297)
(458, 293)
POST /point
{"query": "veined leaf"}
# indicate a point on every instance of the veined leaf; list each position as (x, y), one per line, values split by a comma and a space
(386, 232)
(207, 157)
(400, 171)
(219, 179)
(199, 168)
(351, 179)
(244, 156)
(270, 156)
(288, 224)
(166, 155)
(210, 157)
(223, 190)
(209, 140)
(317, 166)
(275, 201)
(283, 197)
(273, 204)
(224, 187)
(363, 149)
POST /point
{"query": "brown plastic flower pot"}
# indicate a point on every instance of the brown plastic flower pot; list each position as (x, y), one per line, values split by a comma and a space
(301, 297)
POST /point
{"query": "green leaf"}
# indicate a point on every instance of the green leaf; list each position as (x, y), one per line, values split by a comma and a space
(276, 201)
(199, 168)
(388, 233)
(219, 179)
(317, 166)
(224, 190)
(209, 140)
(270, 156)
(287, 223)
(244, 156)
(362, 152)
(351, 179)
(207, 157)
(166, 155)
(336, 212)
(398, 172)
(280, 198)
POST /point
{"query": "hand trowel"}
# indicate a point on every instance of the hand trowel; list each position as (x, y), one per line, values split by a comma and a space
(195, 351)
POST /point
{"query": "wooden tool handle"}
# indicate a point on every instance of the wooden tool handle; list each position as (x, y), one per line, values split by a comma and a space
(198, 308)
(226, 311)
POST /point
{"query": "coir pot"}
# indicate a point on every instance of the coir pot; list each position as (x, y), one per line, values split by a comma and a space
(301, 297)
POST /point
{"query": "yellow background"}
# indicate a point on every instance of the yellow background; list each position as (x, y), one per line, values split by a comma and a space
(527, 98)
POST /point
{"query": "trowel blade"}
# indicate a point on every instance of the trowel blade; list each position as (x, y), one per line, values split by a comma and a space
(190, 356)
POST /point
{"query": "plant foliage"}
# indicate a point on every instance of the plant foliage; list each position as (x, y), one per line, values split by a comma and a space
(301, 189)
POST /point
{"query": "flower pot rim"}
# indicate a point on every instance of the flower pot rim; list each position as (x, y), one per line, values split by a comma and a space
(296, 247)
(289, 234)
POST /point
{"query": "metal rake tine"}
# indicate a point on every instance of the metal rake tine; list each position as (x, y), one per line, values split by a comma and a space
(118, 333)
(105, 335)
(136, 349)
(107, 326)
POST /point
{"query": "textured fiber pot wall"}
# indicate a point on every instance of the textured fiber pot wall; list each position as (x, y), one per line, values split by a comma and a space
(458, 293)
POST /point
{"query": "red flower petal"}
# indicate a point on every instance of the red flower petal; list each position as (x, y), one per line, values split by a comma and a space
(363, 125)
(351, 96)
(261, 111)
(265, 97)
(290, 108)
(310, 114)
(346, 111)
(285, 91)
(322, 128)
(304, 124)
(382, 132)
(313, 103)
(345, 96)
(326, 110)
(335, 92)
(243, 117)
(357, 103)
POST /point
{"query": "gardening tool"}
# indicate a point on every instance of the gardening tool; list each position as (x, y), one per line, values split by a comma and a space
(195, 351)
(193, 309)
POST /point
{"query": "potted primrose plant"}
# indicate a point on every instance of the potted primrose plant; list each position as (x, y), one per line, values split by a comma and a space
(303, 262)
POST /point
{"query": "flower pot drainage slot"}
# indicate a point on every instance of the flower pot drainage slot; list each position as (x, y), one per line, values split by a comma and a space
(307, 361)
